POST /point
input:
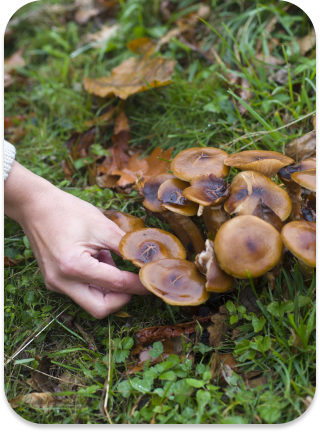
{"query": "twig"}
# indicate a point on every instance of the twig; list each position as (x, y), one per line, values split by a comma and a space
(107, 384)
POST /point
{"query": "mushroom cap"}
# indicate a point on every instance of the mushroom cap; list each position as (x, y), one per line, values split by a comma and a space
(286, 172)
(248, 187)
(217, 280)
(175, 281)
(126, 222)
(267, 163)
(306, 179)
(247, 243)
(300, 238)
(150, 244)
(199, 160)
(265, 213)
(150, 191)
(171, 197)
(207, 190)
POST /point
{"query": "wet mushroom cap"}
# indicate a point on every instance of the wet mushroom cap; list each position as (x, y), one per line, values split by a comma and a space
(217, 280)
(175, 281)
(126, 222)
(267, 163)
(246, 190)
(306, 179)
(300, 238)
(170, 194)
(207, 190)
(150, 191)
(195, 161)
(307, 164)
(150, 244)
(247, 243)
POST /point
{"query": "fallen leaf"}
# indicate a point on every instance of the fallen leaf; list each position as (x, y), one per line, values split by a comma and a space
(134, 169)
(9, 262)
(132, 76)
(314, 122)
(257, 382)
(36, 400)
(218, 331)
(281, 76)
(103, 35)
(102, 119)
(242, 90)
(14, 62)
(40, 378)
(302, 148)
(150, 335)
(8, 80)
(69, 381)
(18, 134)
(87, 336)
(307, 42)
(13, 121)
(141, 45)
(235, 334)
(121, 314)
(221, 366)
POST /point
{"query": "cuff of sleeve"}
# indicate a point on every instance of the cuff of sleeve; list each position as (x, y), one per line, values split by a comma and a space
(9, 156)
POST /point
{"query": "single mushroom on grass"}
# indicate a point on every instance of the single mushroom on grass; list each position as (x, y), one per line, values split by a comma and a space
(267, 163)
(247, 244)
(218, 281)
(175, 281)
(248, 188)
(210, 192)
(150, 244)
(300, 238)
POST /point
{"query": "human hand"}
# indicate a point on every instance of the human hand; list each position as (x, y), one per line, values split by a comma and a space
(71, 240)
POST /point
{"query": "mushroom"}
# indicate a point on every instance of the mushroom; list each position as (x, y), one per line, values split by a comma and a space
(175, 281)
(170, 194)
(217, 280)
(248, 187)
(300, 238)
(126, 222)
(247, 243)
(150, 192)
(150, 244)
(195, 161)
(267, 163)
(306, 179)
(209, 192)
(265, 213)
(293, 188)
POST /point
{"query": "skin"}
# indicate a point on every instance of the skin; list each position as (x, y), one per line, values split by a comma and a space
(71, 240)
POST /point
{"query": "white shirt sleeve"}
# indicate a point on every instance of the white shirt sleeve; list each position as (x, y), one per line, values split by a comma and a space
(8, 158)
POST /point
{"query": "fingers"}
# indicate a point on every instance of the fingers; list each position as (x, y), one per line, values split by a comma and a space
(105, 257)
(95, 302)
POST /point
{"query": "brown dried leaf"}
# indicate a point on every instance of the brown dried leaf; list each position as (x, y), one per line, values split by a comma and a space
(150, 335)
(307, 42)
(69, 381)
(102, 36)
(41, 380)
(135, 168)
(36, 400)
(314, 122)
(242, 90)
(14, 62)
(302, 148)
(132, 76)
(13, 121)
(18, 134)
(9, 262)
(101, 120)
(141, 45)
(218, 331)
(222, 366)
(87, 336)
(8, 80)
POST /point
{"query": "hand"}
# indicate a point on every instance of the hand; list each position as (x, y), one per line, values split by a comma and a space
(71, 240)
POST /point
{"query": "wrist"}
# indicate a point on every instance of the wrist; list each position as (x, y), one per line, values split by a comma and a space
(23, 190)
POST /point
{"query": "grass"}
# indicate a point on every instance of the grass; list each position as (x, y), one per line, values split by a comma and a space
(199, 107)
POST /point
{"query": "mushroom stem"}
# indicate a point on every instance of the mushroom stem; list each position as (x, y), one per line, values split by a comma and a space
(186, 231)
(214, 217)
(200, 210)
(294, 191)
(306, 270)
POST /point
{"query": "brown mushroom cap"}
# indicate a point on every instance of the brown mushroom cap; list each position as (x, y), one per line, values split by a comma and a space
(150, 191)
(247, 243)
(126, 222)
(171, 197)
(248, 187)
(286, 172)
(306, 179)
(195, 161)
(175, 281)
(267, 163)
(207, 190)
(150, 244)
(217, 280)
(300, 238)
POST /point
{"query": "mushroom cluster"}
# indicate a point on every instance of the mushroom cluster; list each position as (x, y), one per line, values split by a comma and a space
(224, 230)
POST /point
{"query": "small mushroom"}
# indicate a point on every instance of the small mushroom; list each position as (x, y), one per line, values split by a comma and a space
(150, 244)
(306, 179)
(300, 238)
(171, 197)
(248, 187)
(247, 243)
(175, 281)
(293, 188)
(195, 161)
(126, 222)
(267, 163)
(217, 280)
(210, 192)
(150, 192)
